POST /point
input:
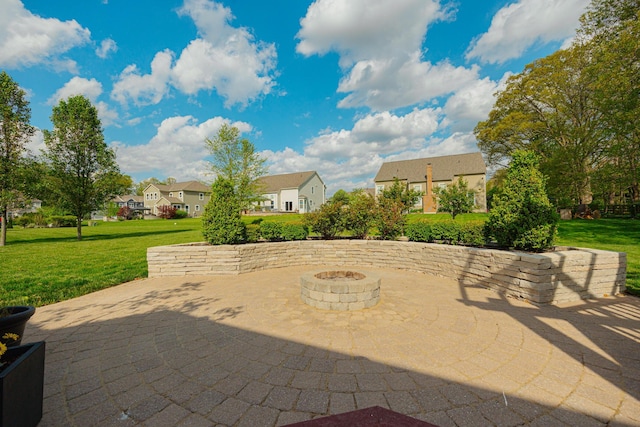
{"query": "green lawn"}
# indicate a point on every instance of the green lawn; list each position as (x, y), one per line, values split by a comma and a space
(42, 266)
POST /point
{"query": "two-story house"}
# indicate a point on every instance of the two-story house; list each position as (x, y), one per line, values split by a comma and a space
(133, 202)
(190, 196)
(292, 192)
(432, 172)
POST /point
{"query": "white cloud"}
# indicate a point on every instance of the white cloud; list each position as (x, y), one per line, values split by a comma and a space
(393, 83)
(380, 48)
(144, 89)
(91, 89)
(27, 39)
(363, 29)
(471, 104)
(520, 25)
(36, 143)
(224, 58)
(106, 47)
(178, 148)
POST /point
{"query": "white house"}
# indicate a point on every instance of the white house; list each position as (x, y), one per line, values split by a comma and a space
(293, 192)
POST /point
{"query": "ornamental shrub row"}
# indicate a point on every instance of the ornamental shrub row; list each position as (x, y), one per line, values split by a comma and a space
(277, 231)
(449, 232)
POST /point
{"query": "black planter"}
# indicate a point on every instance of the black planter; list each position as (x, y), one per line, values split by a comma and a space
(21, 386)
(15, 322)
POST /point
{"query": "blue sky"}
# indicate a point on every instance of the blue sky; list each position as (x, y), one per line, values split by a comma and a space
(336, 86)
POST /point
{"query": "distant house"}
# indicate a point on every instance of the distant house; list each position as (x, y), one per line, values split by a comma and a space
(190, 196)
(29, 206)
(432, 172)
(293, 192)
(133, 202)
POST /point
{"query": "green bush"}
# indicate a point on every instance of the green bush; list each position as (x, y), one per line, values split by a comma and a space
(221, 221)
(418, 232)
(253, 233)
(294, 231)
(360, 213)
(390, 219)
(63, 221)
(180, 214)
(328, 221)
(472, 233)
(446, 231)
(522, 216)
(270, 230)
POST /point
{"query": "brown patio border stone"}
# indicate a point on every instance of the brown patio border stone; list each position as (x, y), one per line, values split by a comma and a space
(566, 274)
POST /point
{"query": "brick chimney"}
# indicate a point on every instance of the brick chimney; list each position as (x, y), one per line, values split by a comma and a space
(428, 204)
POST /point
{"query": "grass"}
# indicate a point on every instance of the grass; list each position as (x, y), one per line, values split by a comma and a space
(42, 266)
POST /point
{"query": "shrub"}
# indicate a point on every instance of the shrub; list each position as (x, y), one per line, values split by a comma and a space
(328, 221)
(472, 233)
(167, 212)
(294, 231)
(253, 232)
(446, 231)
(124, 212)
(221, 221)
(360, 213)
(522, 216)
(63, 221)
(180, 214)
(270, 230)
(418, 232)
(456, 198)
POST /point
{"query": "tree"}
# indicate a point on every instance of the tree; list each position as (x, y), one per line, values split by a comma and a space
(84, 173)
(235, 160)
(401, 193)
(549, 109)
(221, 221)
(15, 131)
(522, 216)
(144, 183)
(610, 32)
(456, 198)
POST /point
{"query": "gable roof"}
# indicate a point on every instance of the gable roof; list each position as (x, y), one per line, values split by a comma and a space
(445, 168)
(182, 186)
(273, 183)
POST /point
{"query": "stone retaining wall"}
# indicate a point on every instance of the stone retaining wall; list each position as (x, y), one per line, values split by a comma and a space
(560, 276)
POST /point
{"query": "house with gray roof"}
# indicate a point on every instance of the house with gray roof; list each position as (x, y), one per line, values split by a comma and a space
(190, 196)
(299, 192)
(432, 172)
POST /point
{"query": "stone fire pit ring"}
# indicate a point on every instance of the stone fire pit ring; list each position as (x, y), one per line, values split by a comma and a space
(342, 290)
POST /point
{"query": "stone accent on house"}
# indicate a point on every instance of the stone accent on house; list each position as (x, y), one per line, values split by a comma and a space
(567, 274)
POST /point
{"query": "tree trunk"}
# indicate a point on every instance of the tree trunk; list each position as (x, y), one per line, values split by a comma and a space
(79, 227)
(3, 227)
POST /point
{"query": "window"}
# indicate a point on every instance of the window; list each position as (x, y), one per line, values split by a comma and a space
(417, 187)
(180, 195)
(301, 204)
(379, 189)
(197, 208)
(155, 196)
(312, 188)
(288, 206)
(200, 197)
(186, 208)
(171, 194)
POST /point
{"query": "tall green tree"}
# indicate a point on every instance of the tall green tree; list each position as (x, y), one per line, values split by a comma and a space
(15, 132)
(84, 173)
(221, 220)
(522, 216)
(549, 108)
(455, 198)
(235, 159)
(610, 32)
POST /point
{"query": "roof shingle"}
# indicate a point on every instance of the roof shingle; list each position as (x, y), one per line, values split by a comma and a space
(445, 168)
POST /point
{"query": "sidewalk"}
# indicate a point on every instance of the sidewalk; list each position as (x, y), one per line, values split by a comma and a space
(245, 351)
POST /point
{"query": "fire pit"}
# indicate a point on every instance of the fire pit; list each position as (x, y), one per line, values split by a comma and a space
(343, 290)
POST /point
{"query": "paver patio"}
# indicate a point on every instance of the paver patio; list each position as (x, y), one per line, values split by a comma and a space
(245, 351)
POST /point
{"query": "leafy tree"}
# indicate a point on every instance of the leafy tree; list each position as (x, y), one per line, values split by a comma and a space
(549, 109)
(341, 196)
(15, 131)
(401, 193)
(390, 218)
(84, 173)
(235, 160)
(522, 216)
(221, 222)
(360, 213)
(145, 182)
(124, 212)
(610, 31)
(456, 198)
